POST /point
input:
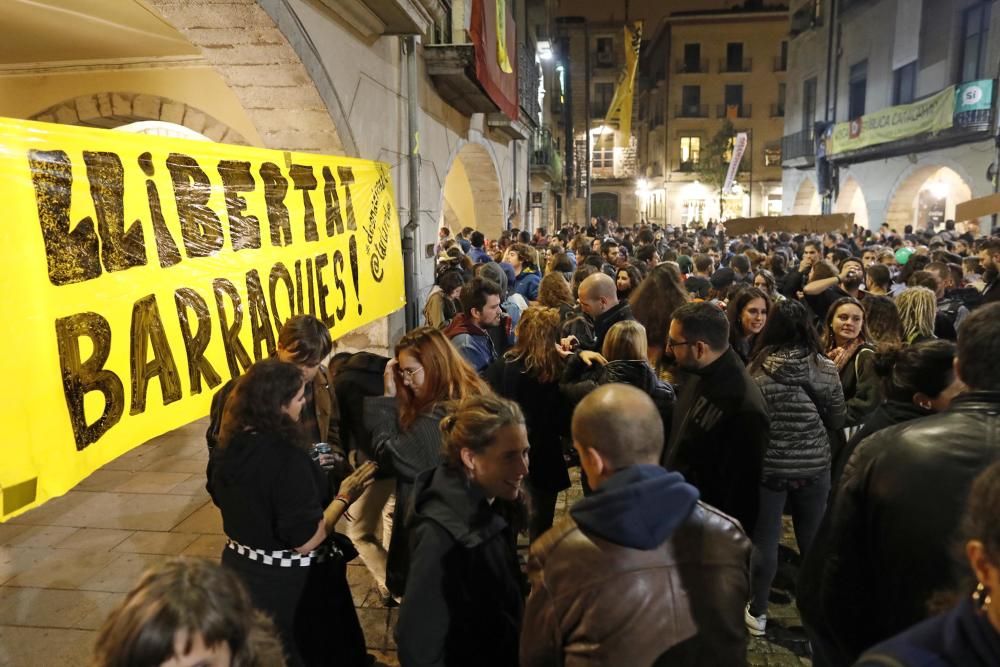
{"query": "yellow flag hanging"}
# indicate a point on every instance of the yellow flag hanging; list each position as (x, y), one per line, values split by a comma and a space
(620, 111)
(502, 59)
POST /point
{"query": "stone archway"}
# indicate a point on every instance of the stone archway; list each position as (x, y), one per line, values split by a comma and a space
(255, 59)
(927, 192)
(109, 110)
(852, 200)
(471, 196)
(806, 199)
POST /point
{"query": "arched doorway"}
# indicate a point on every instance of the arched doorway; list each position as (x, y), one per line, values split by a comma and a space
(806, 199)
(926, 198)
(852, 200)
(471, 194)
(107, 64)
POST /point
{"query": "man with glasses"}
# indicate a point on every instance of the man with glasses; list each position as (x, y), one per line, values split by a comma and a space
(720, 426)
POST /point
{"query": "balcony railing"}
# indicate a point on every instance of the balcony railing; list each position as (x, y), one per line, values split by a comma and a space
(780, 64)
(777, 111)
(734, 111)
(545, 158)
(799, 146)
(691, 111)
(527, 82)
(735, 66)
(807, 17)
(691, 67)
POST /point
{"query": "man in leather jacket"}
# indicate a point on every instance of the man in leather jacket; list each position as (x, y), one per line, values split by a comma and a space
(640, 572)
(885, 545)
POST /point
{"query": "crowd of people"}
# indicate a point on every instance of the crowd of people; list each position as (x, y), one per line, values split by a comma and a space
(705, 386)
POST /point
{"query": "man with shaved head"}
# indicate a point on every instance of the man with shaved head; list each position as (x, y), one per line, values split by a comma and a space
(640, 572)
(598, 301)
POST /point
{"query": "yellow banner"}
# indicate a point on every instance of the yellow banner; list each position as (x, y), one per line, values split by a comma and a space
(620, 111)
(502, 58)
(932, 114)
(141, 272)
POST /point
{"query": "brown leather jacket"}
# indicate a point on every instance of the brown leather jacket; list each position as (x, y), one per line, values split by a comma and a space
(597, 603)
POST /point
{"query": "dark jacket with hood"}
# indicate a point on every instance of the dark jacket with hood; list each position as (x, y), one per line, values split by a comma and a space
(884, 548)
(963, 636)
(639, 573)
(472, 342)
(464, 599)
(579, 380)
(804, 398)
(718, 437)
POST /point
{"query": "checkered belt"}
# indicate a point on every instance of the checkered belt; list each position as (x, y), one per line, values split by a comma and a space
(282, 557)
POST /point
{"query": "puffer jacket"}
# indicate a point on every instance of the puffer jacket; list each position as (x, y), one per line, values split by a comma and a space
(804, 398)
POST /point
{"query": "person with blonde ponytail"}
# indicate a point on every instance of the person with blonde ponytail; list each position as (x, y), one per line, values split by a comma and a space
(465, 596)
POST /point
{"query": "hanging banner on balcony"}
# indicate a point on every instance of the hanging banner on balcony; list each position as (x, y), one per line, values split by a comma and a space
(931, 114)
(739, 147)
(620, 111)
(498, 78)
(142, 272)
(974, 104)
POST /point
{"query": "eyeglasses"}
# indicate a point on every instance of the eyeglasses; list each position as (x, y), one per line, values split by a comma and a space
(679, 343)
(410, 373)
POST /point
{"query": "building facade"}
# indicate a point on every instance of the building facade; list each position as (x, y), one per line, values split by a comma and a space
(902, 92)
(702, 69)
(334, 77)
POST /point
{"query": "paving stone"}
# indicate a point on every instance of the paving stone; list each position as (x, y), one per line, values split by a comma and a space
(44, 647)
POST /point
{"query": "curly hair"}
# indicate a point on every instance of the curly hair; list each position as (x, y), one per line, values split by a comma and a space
(257, 400)
(538, 333)
(447, 376)
(554, 291)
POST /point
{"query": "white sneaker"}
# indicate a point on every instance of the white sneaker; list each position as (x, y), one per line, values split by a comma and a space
(755, 624)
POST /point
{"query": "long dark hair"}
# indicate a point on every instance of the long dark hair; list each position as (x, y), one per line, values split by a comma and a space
(735, 310)
(789, 324)
(256, 401)
(654, 301)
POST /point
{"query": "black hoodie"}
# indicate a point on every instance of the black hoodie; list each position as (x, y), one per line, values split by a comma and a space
(465, 593)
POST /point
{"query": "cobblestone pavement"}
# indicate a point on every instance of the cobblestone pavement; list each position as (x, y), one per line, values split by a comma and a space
(64, 565)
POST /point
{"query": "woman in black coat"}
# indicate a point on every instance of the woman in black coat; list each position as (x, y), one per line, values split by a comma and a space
(279, 520)
(529, 374)
(465, 597)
